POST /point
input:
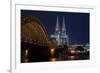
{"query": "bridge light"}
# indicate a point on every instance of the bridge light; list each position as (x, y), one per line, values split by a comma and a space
(26, 52)
(52, 51)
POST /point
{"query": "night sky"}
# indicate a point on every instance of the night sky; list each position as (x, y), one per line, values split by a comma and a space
(77, 24)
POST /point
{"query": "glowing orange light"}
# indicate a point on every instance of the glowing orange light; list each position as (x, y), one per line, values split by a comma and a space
(52, 51)
(53, 59)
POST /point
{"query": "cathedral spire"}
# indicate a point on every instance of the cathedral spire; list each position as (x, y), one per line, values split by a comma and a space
(63, 25)
(64, 35)
(57, 29)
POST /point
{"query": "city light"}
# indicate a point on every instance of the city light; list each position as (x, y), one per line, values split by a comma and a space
(72, 51)
(26, 52)
(52, 51)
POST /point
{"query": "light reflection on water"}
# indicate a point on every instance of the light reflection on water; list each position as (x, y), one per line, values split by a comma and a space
(62, 59)
(26, 60)
(71, 57)
(59, 56)
(53, 59)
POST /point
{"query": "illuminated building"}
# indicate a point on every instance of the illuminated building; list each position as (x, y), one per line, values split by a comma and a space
(60, 34)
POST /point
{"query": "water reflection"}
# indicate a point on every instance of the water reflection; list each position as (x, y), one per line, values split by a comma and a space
(26, 60)
(53, 59)
(54, 55)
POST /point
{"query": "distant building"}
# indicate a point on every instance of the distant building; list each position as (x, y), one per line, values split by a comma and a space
(87, 46)
(75, 45)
